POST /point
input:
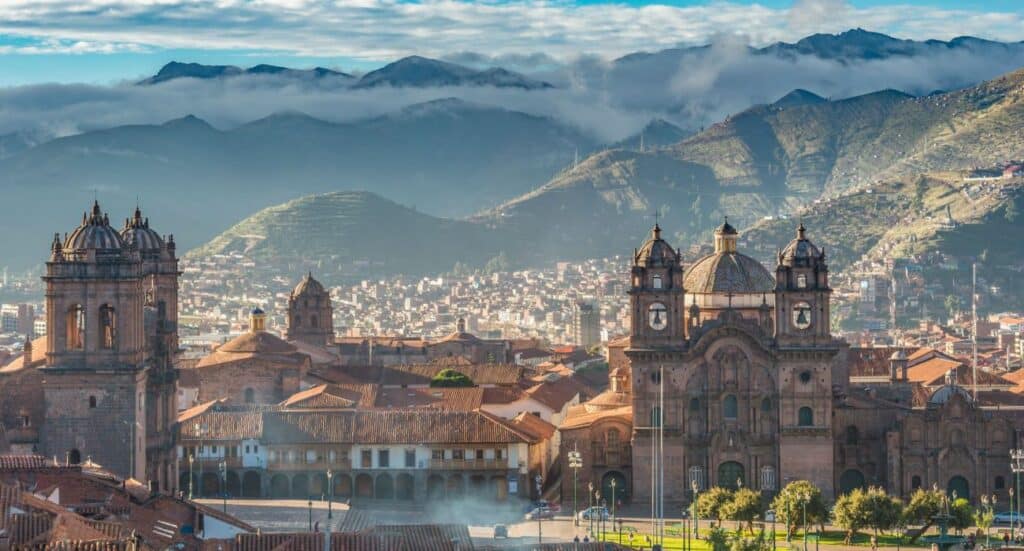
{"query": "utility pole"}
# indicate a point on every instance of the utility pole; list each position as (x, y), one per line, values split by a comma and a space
(974, 331)
(575, 463)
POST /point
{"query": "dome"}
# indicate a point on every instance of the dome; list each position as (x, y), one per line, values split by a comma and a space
(801, 247)
(724, 272)
(95, 233)
(257, 311)
(136, 231)
(308, 285)
(899, 354)
(656, 251)
(945, 392)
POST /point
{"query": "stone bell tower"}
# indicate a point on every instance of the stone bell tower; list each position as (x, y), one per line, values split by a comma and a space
(656, 295)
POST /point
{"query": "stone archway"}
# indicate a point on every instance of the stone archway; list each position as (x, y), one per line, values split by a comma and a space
(456, 487)
(364, 485)
(730, 473)
(183, 483)
(252, 485)
(435, 487)
(850, 480)
(959, 485)
(233, 484)
(342, 486)
(384, 487)
(478, 486)
(318, 486)
(300, 486)
(280, 488)
(210, 485)
(405, 487)
(621, 492)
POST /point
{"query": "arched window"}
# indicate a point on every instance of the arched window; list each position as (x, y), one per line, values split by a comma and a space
(108, 327)
(92, 402)
(915, 482)
(694, 404)
(805, 417)
(729, 407)
(730, 475)
(74, 457)
(250, 396)
(766, 405)
(852, 435)
(1000, 483)
(612, 438)
(75, 327)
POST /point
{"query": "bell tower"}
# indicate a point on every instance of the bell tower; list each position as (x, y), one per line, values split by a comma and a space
(656, 295)
(802, 294)
(310, 314)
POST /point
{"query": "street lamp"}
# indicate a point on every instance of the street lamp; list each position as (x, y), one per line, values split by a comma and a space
(696, 515)
(600, 513)
(540, 517)
(224, 483)
(310, 505)
(575, 463)
(987, 510)
(330, 494)
(590, 506)
(191, 475)
(1017, 466)
(613, 508)
(806, 497)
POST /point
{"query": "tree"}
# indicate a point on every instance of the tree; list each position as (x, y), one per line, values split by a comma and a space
(745, 506)
(718, 539)
(985, 515)
(852, 513)
(712, 503)
(885, 511)
(448, 378)
(789, 505)
(962, 514)
(921, 509)
(759, 542)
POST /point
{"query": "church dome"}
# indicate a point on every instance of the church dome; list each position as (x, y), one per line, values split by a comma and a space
(136, 231)
(656, 251)
(800, 248)
(308, 285)
(726, 270)
(95, 233)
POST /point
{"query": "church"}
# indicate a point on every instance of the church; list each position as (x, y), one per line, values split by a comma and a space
(730, 376)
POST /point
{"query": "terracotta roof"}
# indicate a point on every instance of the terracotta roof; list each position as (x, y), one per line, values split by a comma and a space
(387, 427)
(502, 394)
(608, 400)
(620, 342)
(458, 337)
(454, 399)
(931, 369)
(579, 417)
(38, 357)
(259, 344)
(419, 374)
(870, 362)
(324, 396)
(197, 410)
(533, 425)
(223, 425)
(555, 394)
(23, 462)
(1016, 377)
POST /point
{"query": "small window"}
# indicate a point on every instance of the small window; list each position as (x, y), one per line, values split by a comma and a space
(729, 407)
(410, 458)
(656, 282)
(656, 377)
(250, 396)
(383, 458)
(766, 405)
(694, 404)
(805, 417)
(915, 482)
(92, 402)
(499, 453)
(479, 455)
(458, 454)
(655, 416)
(247, 448)
(366, 459)
(108, 327)
(801, 281)
(805, 377)
(436, 455)
(1000, 483)
(852, 435)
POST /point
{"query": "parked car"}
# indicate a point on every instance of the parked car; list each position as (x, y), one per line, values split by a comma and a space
(769, 515)
(500, 531)
(540, 513)
(597, 513)
(541, 503)
(1005, 518)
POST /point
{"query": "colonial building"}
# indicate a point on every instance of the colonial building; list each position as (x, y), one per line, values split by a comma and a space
(101, 384)
(310, 316)
(730, 376)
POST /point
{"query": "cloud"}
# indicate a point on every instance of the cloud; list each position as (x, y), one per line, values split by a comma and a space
(385, 29)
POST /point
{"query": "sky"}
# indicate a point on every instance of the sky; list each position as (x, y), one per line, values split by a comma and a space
(107, 41)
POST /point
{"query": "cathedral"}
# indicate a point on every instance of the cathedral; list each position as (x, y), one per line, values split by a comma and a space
(100, 386)
(730, 376)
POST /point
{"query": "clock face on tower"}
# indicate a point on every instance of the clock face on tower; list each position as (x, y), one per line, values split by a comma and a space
(657, 316)
(801, 315)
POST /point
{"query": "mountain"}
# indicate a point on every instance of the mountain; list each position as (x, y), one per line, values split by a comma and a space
(657, 133)
(351, 233)
(421, 72)
(447, 157)
(797, 98)
(175, 70)
(861, 45)
(765, 161)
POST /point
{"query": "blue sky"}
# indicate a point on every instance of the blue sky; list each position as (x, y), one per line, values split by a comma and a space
(103, 41)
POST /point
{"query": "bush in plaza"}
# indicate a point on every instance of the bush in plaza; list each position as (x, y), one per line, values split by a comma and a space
(789, 505)
(711, 504)
(921, 509)
(745, 506)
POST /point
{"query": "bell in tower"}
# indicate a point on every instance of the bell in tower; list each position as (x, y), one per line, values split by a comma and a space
(802, 293)
(656, 293)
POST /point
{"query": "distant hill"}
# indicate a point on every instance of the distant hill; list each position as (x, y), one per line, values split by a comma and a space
(446, 157)
(422, 72)
(346, 232)
(657, 133)
(765, 161)
(177, 69)
(797, 98)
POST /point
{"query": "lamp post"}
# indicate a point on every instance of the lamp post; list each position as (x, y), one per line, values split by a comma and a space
(330, 494)
(309, 504)
(191, 475)
(602, 520)
(806, 497)
(1011, 509)
(987, 510)
(590, 506)
(224, 483)
(613, 508)
(1017, 466)
(696, 515)
(540, 517)
(575, 463)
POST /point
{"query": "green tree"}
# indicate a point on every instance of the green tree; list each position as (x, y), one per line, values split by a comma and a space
(962, 514)
(852, 513)
(449, 378)
(745, 506)
(789, 505)
(921, 509)
(718, 539)
(885, 511)
(711, 504)
(759, 542)
(985, 515)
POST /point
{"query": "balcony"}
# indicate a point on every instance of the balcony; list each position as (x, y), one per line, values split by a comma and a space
(302, 466)
(469, 464)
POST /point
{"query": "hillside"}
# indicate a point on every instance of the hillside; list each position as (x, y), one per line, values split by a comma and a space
(445, 157)
(767, 161)
(347, 233)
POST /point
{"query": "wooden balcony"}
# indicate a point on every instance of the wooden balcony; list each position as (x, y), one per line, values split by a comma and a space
(470, 464)
(302, 466)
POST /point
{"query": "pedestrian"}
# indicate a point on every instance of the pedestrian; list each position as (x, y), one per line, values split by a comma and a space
(874, 543)
(1006, 539)
(586, 539)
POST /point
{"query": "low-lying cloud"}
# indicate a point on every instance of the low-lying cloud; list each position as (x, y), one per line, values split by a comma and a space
(609, 99)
